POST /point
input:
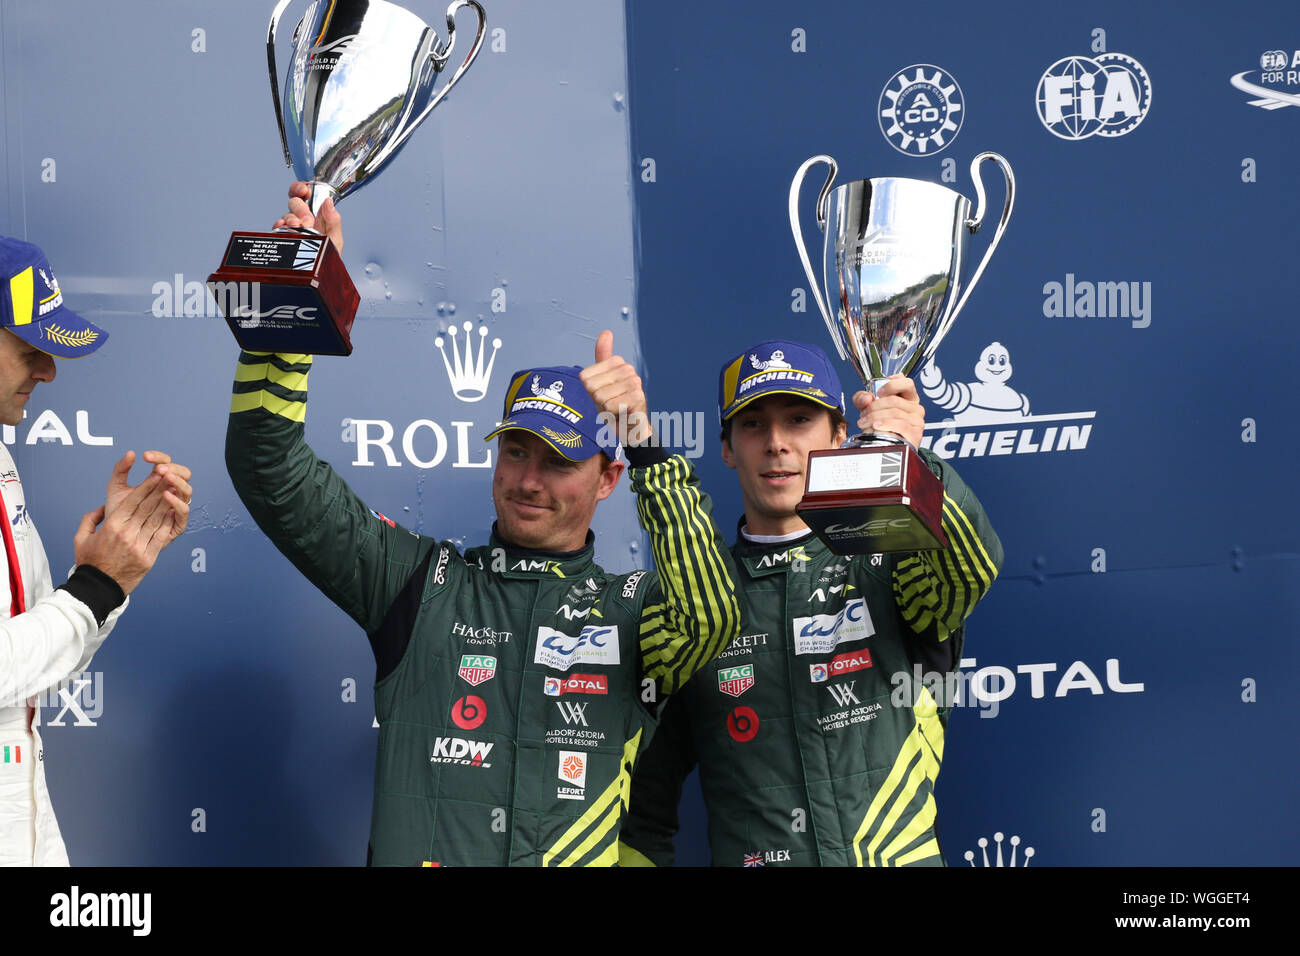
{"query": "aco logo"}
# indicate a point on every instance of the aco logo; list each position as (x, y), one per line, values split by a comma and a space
(921, 110)
(742, 724)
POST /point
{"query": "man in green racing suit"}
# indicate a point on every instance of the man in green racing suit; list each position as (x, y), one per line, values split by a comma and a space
(817, 732)
(515, 683)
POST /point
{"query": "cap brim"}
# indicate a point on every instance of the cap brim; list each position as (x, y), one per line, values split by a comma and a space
(62, 333)
(584, 450)
(833, 406)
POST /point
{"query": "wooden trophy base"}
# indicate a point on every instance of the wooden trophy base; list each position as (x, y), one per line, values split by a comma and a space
(873, 499)
(286, 292)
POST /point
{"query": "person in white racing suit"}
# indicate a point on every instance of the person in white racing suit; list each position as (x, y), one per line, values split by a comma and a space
(47, 635)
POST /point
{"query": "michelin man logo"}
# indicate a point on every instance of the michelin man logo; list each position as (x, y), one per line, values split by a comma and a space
(551, 393)
(1277, 68)
(1081, 96)
(921, 110)
(776, 360)
(991, 401)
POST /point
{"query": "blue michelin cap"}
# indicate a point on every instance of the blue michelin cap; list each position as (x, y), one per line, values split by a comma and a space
(778, 367)
(31, 305)
(553, 404)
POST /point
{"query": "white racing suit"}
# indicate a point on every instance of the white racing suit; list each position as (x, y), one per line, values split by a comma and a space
(45, 637)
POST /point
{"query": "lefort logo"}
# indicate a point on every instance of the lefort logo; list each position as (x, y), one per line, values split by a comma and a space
(1277, 82)
(1081, 96)
(974, 408)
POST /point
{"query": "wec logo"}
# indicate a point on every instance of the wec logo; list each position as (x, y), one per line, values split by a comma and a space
(595, 645)
(820, 633)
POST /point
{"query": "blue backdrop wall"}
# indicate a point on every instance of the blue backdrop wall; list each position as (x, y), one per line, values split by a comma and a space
(607, 165)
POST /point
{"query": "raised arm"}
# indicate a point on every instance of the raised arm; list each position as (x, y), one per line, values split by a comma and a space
(690, 612)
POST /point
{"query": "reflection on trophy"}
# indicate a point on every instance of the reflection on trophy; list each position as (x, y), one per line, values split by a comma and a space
(892, 261)
(362, 78)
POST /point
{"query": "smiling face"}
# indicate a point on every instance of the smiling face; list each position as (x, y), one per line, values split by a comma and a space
(768, 446)
(544, 501)
(994, 366)
(22, 367)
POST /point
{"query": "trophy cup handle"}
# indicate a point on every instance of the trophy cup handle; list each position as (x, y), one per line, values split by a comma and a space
(275, 85)
(439, 59)
(836, 335)
(973, 225)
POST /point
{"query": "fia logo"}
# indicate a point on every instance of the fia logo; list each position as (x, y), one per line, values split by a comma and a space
(468, 374)
(1082, 96)
(921, 110)
(991, 401)
(1277, 69)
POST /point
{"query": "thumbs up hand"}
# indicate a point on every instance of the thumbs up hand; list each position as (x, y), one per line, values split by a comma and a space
(615, 387)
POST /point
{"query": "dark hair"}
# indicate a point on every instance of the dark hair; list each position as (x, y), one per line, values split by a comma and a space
(836, 416)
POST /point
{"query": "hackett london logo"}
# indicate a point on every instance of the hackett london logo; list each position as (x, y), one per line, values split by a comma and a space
(477, 668)
(973, 407)
(734, 681)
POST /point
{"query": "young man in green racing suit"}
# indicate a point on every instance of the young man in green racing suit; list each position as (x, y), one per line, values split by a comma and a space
(817, 738)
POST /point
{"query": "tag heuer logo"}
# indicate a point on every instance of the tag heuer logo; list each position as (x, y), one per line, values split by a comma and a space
(476, 668)
(734, 681)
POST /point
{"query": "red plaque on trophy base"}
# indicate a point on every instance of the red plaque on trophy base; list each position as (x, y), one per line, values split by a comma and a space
(873, 499)
(286, 292)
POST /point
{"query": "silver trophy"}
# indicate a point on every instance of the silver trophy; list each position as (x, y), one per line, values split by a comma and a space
(892, 262)
(363, 76)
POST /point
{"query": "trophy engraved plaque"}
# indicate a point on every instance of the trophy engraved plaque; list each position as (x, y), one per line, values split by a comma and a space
(892, 262)
(363, 75)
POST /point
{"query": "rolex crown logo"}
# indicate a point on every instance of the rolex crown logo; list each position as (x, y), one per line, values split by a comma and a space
(468, 373)
(997, 838)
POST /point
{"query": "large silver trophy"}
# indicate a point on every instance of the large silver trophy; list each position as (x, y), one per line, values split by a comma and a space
(363, 75)
(892, 261)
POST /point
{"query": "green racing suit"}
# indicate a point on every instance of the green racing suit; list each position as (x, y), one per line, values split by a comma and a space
(514, 688)
(816, 733)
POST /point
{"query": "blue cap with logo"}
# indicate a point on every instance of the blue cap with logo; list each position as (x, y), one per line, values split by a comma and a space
(778, 367)
(553, 404)
(31, 305)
